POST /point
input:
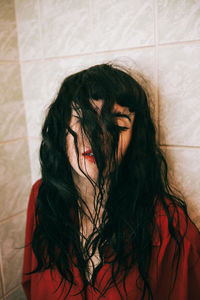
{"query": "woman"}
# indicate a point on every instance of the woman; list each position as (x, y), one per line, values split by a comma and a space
(103, 222)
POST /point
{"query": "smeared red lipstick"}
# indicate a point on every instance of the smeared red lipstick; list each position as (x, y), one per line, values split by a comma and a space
(89, 155)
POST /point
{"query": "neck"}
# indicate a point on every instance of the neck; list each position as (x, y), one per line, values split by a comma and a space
(87, 193)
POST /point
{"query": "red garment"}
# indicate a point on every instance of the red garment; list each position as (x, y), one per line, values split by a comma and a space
(40, 286)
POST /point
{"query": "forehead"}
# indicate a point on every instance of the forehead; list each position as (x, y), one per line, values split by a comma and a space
(97, 104)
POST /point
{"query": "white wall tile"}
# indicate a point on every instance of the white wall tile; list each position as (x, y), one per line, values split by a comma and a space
(56, 71)
(29, 40)
(178, 20)
(28, 20)
(122, 24)
(35, 113)
(34, 147)
(33, 80)
(27, 10)
(34, 96)
(179, 83)
(184, 170)
(66, 27)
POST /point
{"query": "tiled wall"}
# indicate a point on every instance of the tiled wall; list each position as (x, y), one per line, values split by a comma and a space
(58, 37)
(15, 173)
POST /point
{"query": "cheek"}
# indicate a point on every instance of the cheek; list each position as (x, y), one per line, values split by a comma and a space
(124, 141)
(70, 148)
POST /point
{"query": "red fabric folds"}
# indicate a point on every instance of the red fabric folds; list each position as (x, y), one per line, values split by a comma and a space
(42, 285)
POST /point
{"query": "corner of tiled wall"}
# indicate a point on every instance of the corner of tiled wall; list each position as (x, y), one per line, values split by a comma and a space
(15, 173)
(161, 39)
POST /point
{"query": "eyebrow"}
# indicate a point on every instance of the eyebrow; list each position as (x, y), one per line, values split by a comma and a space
(118, 114)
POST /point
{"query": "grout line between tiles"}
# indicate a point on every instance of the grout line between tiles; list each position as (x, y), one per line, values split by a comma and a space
(179, 43)
(23, 138)
(100, 52)
(88, 54)
(13, 216)
(13, 290)
(9, 62)
(105, 52)
(181, 147)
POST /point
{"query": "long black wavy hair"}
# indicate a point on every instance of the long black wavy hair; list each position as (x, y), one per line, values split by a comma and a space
(135, 184)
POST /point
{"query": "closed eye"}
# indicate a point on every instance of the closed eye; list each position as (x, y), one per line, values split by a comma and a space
(78, 119)
(122, 128)
(118, 114)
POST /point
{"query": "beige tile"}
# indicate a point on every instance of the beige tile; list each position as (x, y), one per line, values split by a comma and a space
(12, 113)
(15, 177)
(1, 291)
(7, 11)
(8, 41)
(17, 294)
(10, 84)
(12, 235)
(178, 20)
(12, 121)
(65, 27)
(184, 170)
(122, 24)
(179, 83)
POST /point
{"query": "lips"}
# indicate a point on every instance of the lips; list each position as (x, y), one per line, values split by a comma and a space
(87, 152)
(89, 155)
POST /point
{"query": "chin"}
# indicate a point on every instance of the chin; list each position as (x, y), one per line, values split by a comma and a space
(90, 169)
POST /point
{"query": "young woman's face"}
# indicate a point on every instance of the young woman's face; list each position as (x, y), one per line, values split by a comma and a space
(87, 162)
